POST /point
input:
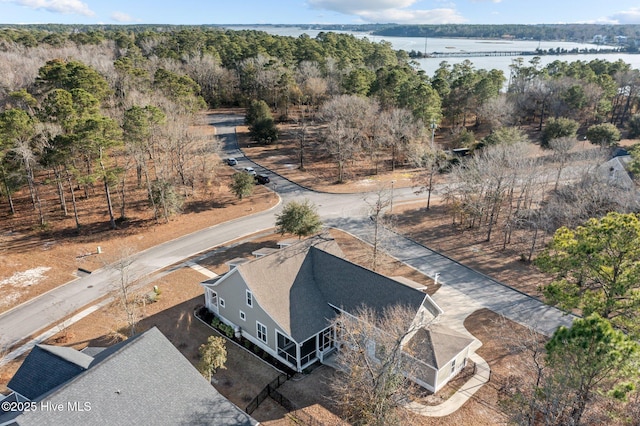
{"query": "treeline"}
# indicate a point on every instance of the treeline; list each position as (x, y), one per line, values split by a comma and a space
(226, 45)
(582, 33)
(84, 113)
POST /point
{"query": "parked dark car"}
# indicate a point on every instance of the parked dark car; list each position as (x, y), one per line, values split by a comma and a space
(262, 179)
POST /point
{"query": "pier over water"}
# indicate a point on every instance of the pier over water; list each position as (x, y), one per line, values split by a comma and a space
(480, 54)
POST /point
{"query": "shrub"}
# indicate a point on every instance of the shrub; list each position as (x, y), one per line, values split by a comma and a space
(226, 329)
(558, 128)
(605, 134)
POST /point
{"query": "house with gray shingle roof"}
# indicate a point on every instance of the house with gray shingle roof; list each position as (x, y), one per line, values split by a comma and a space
(143, 380)
(616, 173)
(285, 303)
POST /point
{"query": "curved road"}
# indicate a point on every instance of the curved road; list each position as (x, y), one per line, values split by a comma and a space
(346, 211)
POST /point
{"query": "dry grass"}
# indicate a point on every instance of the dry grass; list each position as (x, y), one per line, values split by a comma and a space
(434, 229)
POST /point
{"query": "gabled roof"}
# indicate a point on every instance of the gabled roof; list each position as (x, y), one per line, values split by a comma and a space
(46, 368)
(298, 286)
(616, 173)
(143, 380)
(437, 345)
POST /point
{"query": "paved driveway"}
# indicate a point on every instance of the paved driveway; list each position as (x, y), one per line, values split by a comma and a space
(462, 290)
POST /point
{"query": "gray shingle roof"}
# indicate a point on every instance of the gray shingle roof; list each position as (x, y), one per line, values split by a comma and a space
(144, 380)
(437, 345)
(298, 284)
(92, 351)
(616, 173)
(45, 368)
(283, 284)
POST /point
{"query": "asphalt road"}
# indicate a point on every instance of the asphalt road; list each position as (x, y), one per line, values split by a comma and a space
(348, 211)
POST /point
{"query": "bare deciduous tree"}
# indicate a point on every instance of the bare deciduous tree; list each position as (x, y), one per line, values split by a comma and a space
(377, 206)
(403, 129)
(124, 288)
(371, 386)
(429, 160)
(347, 119)
(498, 112)
(561, 148)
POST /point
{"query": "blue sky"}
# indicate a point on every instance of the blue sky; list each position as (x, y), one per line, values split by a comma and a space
(319, 11)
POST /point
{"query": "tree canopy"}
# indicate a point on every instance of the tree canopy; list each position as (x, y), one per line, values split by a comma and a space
(213, 356)
(597, 269)
(559, 128)
(300, 219)
(590, 357)
(242, 185)
(604, 134)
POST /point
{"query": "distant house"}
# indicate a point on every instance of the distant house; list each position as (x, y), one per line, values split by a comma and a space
(599, 39)
(615, 171)
(284, 301)
(144, 380)
(621, 39)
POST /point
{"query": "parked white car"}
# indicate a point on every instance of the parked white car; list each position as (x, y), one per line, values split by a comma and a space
(249, 170)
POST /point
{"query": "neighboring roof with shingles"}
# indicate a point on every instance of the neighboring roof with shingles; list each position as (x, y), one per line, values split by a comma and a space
(92, 351)
(47, 367)
(298, 284)
(616, 173)
(437, 345)
(144, 380)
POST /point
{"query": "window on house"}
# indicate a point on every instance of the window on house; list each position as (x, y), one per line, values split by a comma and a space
(249, 298)
(222, 302)
(243, 317)
(453, 366)
(262, 332)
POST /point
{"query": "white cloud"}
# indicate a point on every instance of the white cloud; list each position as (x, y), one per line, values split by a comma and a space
(390, 11)
(433, 16)
(359, 6)
(121, 17)
(631, 16)
(69, 7)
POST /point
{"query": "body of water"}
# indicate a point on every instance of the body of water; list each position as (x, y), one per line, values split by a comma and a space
(429, 65)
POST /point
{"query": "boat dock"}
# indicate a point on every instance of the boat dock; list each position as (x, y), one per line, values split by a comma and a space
(465, 54)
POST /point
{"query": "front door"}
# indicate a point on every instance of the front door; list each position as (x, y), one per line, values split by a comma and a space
(327, 342)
